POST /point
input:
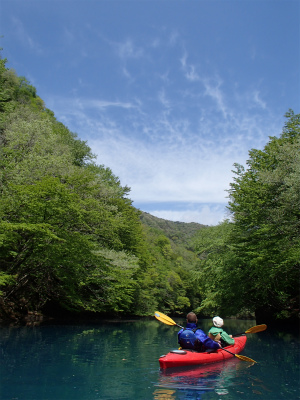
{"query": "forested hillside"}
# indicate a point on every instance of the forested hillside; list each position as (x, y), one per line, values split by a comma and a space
(72, 242)
(174, 264)
(70, 238)
(178, 232)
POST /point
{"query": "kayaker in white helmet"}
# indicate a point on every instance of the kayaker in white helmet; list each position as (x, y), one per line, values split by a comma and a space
(218, 334)
(194, 338)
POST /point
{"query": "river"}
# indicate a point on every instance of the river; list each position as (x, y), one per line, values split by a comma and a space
(119, 360)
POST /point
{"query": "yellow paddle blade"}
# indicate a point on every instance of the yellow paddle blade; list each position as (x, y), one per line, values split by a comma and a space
(164, 318)
(244, 358)
(257, 328)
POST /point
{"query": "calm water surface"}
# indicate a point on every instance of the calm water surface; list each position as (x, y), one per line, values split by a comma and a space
(119, 360)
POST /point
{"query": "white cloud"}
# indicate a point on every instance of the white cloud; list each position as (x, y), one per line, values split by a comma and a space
(68, 36)
(24, 37)
(167, 157)
(191, 74)
(155, 42)
(128, 49)
(173, 38)
(157, 172)
(257, 100)
(183, 60)
(163, 99)
(213, 90)
(104, 104)
(189, 69)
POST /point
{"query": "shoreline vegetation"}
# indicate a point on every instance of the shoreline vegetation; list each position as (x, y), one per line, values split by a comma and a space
(72, 244)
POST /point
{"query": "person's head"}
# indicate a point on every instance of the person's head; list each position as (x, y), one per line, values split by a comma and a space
(218, 322)
(191, 317)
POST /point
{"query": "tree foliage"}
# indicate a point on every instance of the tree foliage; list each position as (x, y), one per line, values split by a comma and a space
(265, 202)
(69, 235)
(68, 232)
(254, 265)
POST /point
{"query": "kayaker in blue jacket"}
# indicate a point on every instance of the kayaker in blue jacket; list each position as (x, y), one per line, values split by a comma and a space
(194, 338)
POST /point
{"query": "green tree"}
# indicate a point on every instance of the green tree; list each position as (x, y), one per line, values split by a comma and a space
(265, 204)
(68, 231)
(8, 83)
(214, 267)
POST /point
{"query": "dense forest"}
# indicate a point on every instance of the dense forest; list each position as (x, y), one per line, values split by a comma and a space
(71, 242)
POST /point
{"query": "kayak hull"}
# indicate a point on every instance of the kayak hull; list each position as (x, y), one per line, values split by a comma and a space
(188, 357)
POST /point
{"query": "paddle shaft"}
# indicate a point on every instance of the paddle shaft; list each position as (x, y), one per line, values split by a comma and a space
(228, 351)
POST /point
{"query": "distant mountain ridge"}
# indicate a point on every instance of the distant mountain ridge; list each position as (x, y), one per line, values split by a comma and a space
(178, 232)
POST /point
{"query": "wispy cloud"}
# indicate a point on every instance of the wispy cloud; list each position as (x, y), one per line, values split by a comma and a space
(191, 74)
(258, 100)
(68, 36)
(163, 100)
(24, 37)
(104, 104)
(173, 38)
(128, 49)
(165, 158)
(213, 90)
(189, 69)
(164, 153)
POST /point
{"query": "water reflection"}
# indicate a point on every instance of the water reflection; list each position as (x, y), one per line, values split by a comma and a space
(196, 381)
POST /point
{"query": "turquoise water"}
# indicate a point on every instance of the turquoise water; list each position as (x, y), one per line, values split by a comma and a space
(119, 360)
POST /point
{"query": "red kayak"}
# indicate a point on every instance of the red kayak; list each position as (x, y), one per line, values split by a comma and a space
(181, 358)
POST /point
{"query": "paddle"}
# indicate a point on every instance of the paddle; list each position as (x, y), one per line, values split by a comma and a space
(168, 321)
(244, 358)
(254, 329)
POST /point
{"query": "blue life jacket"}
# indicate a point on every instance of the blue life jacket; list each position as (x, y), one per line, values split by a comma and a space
(188, 340)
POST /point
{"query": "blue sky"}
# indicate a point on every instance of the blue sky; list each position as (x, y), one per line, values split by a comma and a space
(168, 94)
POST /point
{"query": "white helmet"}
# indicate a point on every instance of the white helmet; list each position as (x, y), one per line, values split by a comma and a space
(218, 322)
